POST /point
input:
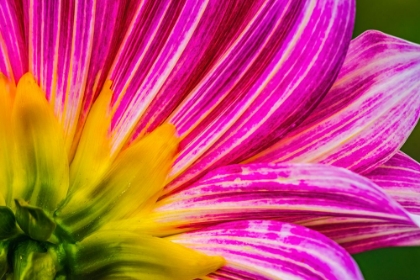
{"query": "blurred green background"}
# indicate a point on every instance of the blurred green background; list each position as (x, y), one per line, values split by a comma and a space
(400, 18)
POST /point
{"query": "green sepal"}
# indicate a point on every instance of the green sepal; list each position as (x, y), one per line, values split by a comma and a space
(8, 227)
(3, 259)
(34, 221)
(31, 260)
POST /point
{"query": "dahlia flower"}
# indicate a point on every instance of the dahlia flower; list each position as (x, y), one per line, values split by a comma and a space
(201, 139)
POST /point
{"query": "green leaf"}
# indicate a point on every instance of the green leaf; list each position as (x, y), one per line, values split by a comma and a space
(7, 223)
(34, 221)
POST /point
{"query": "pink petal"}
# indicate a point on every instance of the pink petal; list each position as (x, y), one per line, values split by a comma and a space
(271, 76)
(360, 235)
(367, 115)
(110, 21)
(71, 44)
(271, 250)
(161, 55)
(400, 178)
(13, 60)
(304, 194)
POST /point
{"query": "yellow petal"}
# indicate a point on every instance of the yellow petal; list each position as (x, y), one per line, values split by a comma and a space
(131, 183)
(132, 256)
(41, 171)
(93, 155)
(6, 142)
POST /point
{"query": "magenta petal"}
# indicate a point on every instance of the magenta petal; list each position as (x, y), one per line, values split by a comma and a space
(269, 79)
(367, 115)
(307, 194)
(59, 50)
(71, 45)
(271, 250)
(110, 21)
(360, 235)
(165, 50)
(400, 178)
(13, 59)
(280, 191)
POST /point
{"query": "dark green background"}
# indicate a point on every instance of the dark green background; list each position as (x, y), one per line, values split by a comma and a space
(399, 18)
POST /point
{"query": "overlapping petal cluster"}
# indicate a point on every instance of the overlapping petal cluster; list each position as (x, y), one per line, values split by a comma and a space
(202, 139)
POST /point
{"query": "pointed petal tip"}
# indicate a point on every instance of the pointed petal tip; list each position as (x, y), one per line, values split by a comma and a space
(27, 78)
(165, 137)
(168, 130)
